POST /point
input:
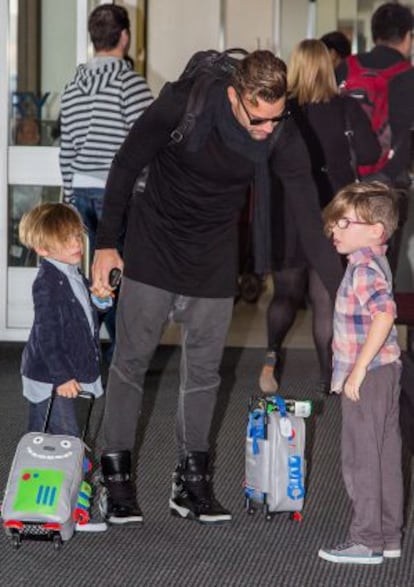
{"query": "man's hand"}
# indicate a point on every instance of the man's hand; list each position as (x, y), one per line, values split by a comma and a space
(104, 260)
(69, 389)
(354, 382)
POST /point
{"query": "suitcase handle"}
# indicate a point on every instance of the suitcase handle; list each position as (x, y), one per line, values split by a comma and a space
(82, 395)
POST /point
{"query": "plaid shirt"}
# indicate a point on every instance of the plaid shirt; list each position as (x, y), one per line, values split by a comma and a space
(365, 290)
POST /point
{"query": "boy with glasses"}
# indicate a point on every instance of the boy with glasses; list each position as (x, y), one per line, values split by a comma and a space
(366, 371)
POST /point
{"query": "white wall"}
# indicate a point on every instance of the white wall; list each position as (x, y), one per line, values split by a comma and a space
(176, 29)
(294, 23)
(249, 24)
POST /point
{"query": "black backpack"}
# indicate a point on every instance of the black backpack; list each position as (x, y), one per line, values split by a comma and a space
(204, 68)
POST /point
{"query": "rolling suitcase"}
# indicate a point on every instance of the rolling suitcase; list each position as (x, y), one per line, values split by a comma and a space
(46, 493)
(275, 455)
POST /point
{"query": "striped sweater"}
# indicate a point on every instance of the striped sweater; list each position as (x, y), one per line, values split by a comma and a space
(98, 108)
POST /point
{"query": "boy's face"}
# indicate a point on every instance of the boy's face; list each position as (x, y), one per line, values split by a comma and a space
(70, 251)
(350, 233)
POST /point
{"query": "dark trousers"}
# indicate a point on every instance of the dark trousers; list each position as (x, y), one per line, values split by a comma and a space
(62, 419)
(371, 460)
(143, 312)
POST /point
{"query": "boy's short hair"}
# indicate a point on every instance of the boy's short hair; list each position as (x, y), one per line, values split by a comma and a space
(391, 22)
(49, 225)
(372, 201)
(337, 41)
(105, 25)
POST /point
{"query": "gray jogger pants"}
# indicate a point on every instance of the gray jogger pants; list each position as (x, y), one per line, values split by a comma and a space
(143, 312)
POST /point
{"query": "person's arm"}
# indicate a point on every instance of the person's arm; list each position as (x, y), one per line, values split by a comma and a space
(50, 332)
(371, 289)
(341, 72)
(148, 135)
(136, 97)
(67, 154)
(291, 164)
(377, 334)
(69, 389)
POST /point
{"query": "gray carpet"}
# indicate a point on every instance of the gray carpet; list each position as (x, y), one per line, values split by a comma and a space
(168, 551)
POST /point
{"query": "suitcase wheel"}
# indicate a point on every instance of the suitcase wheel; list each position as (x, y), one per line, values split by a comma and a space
(249, 506)
(268, 515)
(296, 517)
(16, 539)
(57, 541)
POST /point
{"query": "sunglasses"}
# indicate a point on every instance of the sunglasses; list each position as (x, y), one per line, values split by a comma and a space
(258, 121)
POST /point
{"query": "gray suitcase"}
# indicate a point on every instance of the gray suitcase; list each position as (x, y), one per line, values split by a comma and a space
(275, 455)
(46, 494)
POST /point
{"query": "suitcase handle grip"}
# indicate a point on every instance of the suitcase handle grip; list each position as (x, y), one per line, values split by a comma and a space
(82, 395)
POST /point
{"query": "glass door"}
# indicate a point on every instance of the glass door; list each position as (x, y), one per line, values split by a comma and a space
(42, 41)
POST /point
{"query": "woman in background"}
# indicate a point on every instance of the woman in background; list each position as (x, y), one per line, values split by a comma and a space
(323, 118)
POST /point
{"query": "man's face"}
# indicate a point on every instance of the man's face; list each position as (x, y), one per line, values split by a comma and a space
(258, 119)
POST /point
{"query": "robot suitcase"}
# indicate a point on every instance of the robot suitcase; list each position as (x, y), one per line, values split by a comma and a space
(46, 494)
(275, 455)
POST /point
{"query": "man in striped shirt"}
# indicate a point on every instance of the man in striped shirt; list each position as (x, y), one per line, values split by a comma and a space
(366, 371)
(98, 108)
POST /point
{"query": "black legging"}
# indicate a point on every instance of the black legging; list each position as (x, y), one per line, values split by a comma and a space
(290, 287)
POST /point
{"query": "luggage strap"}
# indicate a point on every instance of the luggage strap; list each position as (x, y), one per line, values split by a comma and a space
(82, 395)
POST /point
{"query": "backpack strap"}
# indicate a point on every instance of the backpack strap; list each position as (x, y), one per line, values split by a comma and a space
(355, 68)
(350, 137)
(194, 107)
(394, 70)
(206, 68)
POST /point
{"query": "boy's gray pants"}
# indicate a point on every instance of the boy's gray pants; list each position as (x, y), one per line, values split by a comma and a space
(143, 312)
(371, 460)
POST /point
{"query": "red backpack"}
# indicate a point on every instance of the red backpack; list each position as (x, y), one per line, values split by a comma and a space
(370, 87)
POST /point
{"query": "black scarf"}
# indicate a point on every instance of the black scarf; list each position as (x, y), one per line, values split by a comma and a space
(217, 112)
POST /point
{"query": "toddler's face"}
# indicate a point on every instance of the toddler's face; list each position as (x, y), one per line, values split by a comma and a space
(69, 251)
(350, 233)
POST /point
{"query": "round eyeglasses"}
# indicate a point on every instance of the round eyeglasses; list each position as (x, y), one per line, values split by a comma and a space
(344, 222)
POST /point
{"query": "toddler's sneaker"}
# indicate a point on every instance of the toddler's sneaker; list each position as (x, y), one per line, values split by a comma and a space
(391, 552)
(92, 526)
(351, 553)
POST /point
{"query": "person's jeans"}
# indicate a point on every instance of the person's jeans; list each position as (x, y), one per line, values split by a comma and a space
(89, 203)
(143, 312)
(62, 418)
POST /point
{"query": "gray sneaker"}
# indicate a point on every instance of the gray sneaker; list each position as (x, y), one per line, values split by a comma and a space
(391, 552)
(351, 553)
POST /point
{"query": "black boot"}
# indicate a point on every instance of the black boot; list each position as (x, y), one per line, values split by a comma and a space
(192, 493)
(118, 503)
